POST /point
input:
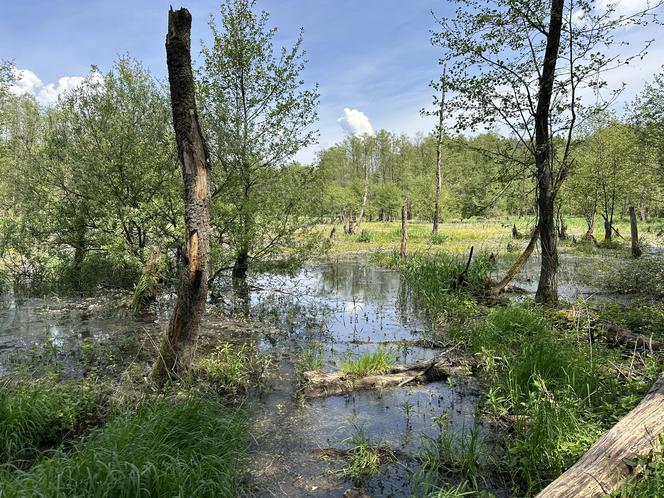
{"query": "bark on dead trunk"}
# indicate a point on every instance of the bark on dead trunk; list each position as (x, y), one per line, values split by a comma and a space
(175, 354)
(404, 233)
(636, 248)
(601, 470)
(547, 288)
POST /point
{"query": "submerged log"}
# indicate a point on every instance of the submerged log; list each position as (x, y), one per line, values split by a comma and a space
(318, 384)
(611, 460)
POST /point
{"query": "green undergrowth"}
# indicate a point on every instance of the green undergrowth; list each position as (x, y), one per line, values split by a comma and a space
(555, 389)
(231, 368)
(449, 456)
(364, 457)
(440, 285)
(550, 387)
(643, 276)
(41, 416)
(646, 318)
(184, 447)
(650, 482)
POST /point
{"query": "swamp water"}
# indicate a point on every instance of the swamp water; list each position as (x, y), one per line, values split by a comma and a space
(338, 309)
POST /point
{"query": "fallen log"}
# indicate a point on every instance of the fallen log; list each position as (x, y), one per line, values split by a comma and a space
(611, 460)
(318, 384)
(621, 336)
(518, 264)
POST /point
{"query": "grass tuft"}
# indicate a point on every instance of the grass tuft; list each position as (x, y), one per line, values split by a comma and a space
(377, 362)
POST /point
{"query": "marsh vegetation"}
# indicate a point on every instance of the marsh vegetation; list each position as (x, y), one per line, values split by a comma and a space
(427, 316)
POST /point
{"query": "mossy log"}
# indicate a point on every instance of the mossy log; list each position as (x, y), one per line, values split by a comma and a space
(318, 384)
(613, 458)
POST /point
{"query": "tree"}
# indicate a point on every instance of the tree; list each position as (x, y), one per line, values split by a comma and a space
(257, 115)
(520, 65)
(175, 353)
(440, 133)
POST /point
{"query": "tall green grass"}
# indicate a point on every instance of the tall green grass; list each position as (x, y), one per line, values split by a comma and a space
(189, 448)
(433, 278)
(41, 416)
(557, 390)
(374, 363)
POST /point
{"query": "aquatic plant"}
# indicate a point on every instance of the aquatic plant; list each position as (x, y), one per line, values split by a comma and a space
(310, 358)
(232, 367)
(364, 458)
(449, 455)
(376, 362)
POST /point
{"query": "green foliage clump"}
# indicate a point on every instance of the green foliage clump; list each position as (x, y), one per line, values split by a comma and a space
(231, 367)
(436, 282)
(554, 390)
(363, 458)
(375, 363)
(638, 276)
(450, 455)
(42, 415)
(641, 318)
(365, 236)
(437, 239)
(191, 448)
(310, 358)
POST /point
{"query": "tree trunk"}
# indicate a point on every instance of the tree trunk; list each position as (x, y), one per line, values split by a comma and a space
(608, 231)
(439, 156)
(175, 354)
(636, 249)
(404, 232)
(608, 462)
(518, 264)
(547, 288)
(590, 233)
(364, 197)
(241, 265)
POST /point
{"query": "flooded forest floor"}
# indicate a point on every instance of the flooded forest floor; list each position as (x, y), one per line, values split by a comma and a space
(358, 375)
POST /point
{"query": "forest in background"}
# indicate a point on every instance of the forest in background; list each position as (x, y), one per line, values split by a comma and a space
(524, 234)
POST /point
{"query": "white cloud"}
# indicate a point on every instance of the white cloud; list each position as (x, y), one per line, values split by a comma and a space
(355, 122)
(46, 94)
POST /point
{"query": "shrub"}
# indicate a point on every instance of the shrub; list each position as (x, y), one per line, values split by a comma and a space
(365, 236)
(232, 367)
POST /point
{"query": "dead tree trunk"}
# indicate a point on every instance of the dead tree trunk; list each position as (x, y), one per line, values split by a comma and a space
(365, 197)
(439, 155)
(547, 288)
(404, 233)
(636, 249)
(175, 354)
(608, 462)
(518, 264)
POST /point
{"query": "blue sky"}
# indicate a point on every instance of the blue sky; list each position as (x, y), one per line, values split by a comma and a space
(373, 56)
